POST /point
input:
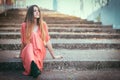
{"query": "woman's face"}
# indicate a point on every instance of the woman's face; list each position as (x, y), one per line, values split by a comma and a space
(36, 12)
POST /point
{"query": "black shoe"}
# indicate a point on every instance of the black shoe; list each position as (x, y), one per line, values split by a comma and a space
(35, 72)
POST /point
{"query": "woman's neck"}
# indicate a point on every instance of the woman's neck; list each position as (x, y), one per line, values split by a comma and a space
(35, 21)
(35, 25)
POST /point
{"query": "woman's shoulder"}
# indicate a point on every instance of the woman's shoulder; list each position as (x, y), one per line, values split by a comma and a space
(44, 22)
(23, 24)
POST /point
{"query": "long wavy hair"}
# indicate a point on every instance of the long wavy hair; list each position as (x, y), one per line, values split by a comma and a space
(29, 19)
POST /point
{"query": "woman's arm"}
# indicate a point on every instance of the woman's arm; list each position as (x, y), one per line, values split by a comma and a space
(48, 43)
(49, 46)
(22, 46)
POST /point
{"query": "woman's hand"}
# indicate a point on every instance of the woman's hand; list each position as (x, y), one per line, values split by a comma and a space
(17, 56)
(48, 44)
(57, 57)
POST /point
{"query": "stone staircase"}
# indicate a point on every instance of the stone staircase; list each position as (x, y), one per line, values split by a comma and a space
(85, 45)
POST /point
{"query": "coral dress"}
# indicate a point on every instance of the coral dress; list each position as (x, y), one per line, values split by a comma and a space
(35, 50)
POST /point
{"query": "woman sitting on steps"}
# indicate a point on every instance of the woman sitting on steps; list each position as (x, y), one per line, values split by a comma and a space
(34, 37)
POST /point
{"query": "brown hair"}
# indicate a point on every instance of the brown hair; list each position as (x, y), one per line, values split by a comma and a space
(29, 19)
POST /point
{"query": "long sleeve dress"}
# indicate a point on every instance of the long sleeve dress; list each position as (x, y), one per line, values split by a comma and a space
(35, 50)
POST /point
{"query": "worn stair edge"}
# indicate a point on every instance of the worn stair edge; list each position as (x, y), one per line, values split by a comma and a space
(61, 36)
(62, 25)
(54, 29)
(15, 35)
(66, 46)
(69, 55)
(104, 59)
(66, 41)
(112, 74)
(60, 65)
(52, 22)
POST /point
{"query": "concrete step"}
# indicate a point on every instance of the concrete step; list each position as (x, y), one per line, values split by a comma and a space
(12, 17)
(80, 41)
(3, 18)
(62, 25)
(50, 21)
(84, 35)
(46, 17)
(11, 13)
(64, 75)
(73, 59)
(70, 21)
(60, 17)
(67, 35)
(55, 16)
(83, 44)
(79, 29)
(10, 29)
(43, 11)
(64, 29)
(12, 21)
(20, 16)
(80, 25)
(18, 11)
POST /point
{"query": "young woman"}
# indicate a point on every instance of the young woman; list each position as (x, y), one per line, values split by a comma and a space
(34, 37)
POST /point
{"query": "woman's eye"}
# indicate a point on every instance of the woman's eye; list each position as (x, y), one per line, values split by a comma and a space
(36, 11)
